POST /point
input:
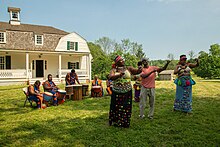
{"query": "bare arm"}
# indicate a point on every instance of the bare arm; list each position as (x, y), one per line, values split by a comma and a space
(31, 91)
(112, 75)
(135, 71)
(191, 65)
(176, 70)
(148, 74)
(163, 68)
(67, 79)
(46, 86)
(77, 79)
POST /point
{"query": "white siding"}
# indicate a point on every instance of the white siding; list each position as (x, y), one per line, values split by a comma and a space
(18, 61)
(65, 59)
(82, 45)
(52, 64)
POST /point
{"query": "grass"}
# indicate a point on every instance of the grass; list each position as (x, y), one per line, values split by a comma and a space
(85, 123)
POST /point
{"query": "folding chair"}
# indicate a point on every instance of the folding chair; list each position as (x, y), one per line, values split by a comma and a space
(25, 90)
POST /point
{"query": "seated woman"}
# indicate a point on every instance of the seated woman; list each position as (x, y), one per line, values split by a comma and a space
(109, 85)
(50, 86)
(34, 94)
(97, 89)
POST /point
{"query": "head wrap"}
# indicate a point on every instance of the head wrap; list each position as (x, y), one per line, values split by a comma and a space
(116, 60)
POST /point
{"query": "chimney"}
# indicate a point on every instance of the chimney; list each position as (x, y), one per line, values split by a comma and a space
(14, 14)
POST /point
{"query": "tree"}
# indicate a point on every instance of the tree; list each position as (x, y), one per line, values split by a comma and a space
(170, 56)
(106, 44)
(104, 51)
(101, 65)
(191, 54)
(209, 63)
(126, 45)
(138, 50)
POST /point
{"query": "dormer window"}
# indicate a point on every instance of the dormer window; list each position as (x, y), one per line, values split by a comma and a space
(2, 37)
(39, 39)
(72, 45)
(14, 16)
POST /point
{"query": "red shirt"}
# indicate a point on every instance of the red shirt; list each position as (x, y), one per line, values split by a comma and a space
(149, 82)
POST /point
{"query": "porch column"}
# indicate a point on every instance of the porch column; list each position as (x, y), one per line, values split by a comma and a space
(27, 65)
(89, 67)
(59, 67)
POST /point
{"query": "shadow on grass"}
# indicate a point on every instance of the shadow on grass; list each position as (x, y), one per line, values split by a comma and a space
(63, 132)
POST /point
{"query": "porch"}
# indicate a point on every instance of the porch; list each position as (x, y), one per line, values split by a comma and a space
(25, 66)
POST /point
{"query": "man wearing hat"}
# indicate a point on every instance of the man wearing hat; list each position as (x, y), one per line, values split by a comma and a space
(148, 86)
(71, 78)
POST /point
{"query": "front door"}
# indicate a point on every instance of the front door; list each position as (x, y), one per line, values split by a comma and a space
(39, 68)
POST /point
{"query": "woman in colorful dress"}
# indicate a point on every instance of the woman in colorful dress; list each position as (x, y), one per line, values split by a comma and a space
(184, 82)
(121, 98)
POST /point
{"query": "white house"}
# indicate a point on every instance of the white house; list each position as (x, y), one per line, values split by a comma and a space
(30, 52)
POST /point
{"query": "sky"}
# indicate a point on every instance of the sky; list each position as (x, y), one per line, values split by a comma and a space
(161, 26)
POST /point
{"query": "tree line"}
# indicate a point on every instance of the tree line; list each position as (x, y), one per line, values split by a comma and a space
(104, 50)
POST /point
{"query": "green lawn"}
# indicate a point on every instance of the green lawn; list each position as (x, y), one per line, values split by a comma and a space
(85, 123)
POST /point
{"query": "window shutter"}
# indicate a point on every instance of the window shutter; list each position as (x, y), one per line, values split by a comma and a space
(8, 62)
(77, 65)
(69, 65)
(76, 46)
(68, 45)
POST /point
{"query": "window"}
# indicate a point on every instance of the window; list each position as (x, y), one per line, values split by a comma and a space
(72, 45)
(45, 65)
(73, 65)
(2, 62)
(2, 37)
(38, 39)
(14, 15)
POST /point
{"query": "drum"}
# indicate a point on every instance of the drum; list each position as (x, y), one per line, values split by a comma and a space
(96, 89)
(69, 89)
(47, 96)
(85, 89)
(61, 94)
(77, 92)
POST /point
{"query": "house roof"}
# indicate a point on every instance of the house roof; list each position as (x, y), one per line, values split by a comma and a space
(21, 37)
(38, 29)
(14, 9)
(166, 72)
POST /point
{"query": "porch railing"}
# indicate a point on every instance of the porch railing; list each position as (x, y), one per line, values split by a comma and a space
(80, 72)
(15, 73)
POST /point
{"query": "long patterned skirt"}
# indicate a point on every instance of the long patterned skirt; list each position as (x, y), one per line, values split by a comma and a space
(183, 100)
(120, 109)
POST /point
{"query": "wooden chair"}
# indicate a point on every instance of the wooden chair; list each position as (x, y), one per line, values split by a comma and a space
(25, 90)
